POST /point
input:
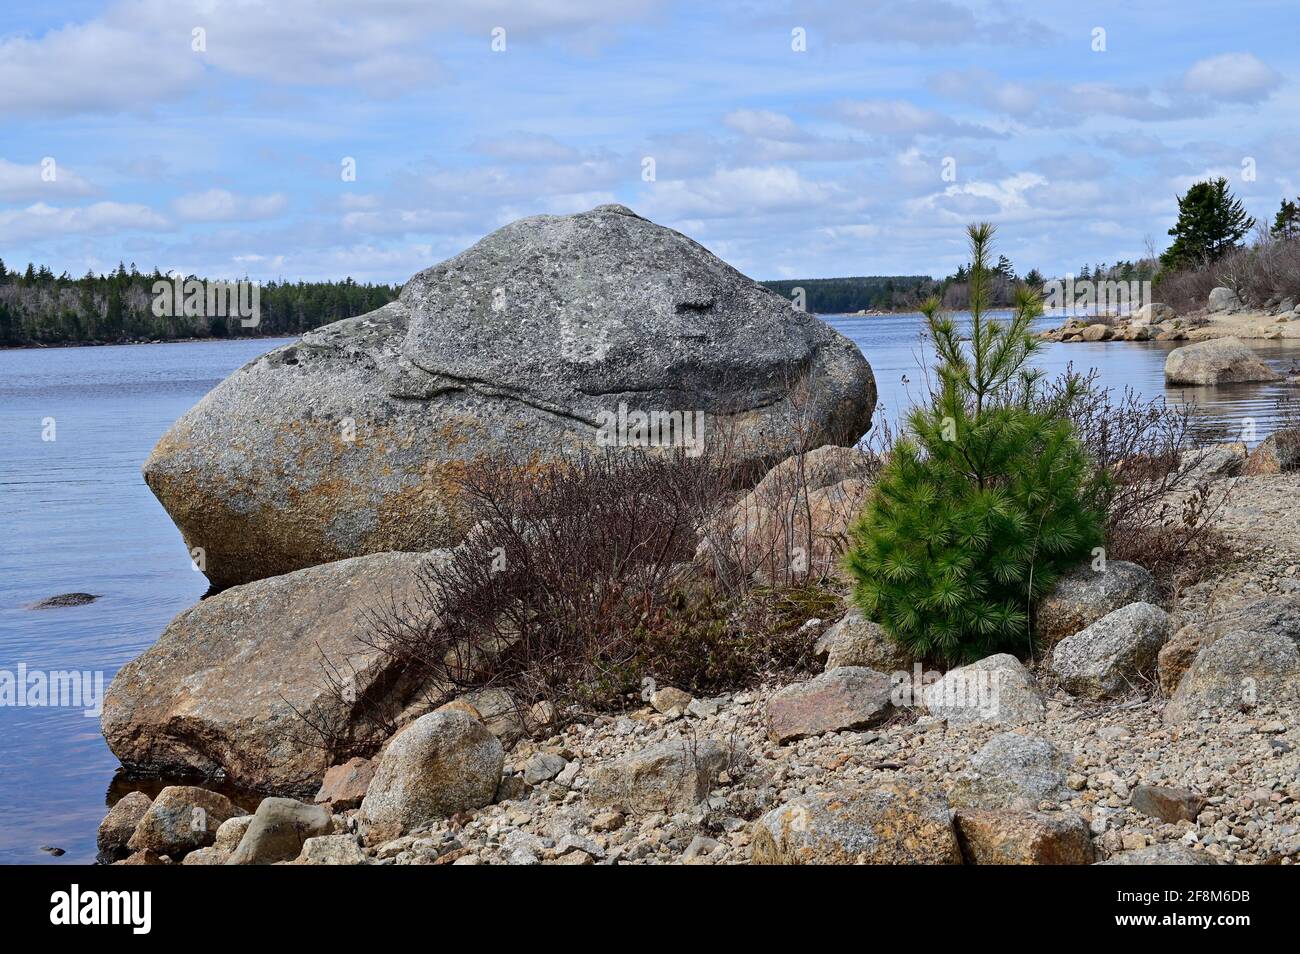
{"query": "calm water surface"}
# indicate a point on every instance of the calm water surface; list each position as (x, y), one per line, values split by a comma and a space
(75, 515)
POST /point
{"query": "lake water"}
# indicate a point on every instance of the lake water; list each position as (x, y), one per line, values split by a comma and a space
(75, 515)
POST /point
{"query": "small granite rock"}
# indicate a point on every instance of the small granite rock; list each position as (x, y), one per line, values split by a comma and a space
(445, 762)
(1000, 837)
(181, 819)
(278, 830)
(1113, 655)
(887, 826)
(1012, 771)
(1168, 804)
(857, 641)
(669, 776)
(1085, 595)
(997, 690)
(850, 697)
(119, 825)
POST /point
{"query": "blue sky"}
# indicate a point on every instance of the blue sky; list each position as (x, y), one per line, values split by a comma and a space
(226, 161)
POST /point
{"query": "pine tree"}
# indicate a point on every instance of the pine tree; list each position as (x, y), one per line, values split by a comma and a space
(1286, 224)
(1211, 221)
(987, 498)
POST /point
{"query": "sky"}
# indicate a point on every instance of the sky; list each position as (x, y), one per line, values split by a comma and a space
(290, 139)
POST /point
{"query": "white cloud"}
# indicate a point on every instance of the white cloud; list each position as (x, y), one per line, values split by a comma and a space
(739, 191)
(763, 123)
(218, 205)
(526, 147)
(24, 182)
(901, 118)
(1241, 77)
(41, 220)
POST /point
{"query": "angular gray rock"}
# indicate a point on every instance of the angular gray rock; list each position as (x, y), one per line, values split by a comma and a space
(1168, 804)
(887, 826)
(1216, 361)
(1265, 614)
(332, 850)
(1169, 853)
(278, 830)
(181, 819)
(1084, 595)
(445, 762)
(1012, 771)
(350, 440)
(119, 825)
(543, 767)
(997, 690)
(1114, 655)
(667, 777)
(1238, 671)
(1009, 837)
(850, 697)
(236, 682)
(857, 641)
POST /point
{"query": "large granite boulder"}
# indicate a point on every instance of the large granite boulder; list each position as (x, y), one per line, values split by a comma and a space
(1278, 614)
(242, 682)
(858, 641)
(1216, 361)
(670, 776)
(1238, 671)
(839, 700)
(545, 338)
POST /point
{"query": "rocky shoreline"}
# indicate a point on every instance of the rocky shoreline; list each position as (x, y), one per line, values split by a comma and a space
(318, 486)
(1127, 776)
(1224, 316)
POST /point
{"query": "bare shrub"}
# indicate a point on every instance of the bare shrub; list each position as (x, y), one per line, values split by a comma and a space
(1159, 514)
(576, 584)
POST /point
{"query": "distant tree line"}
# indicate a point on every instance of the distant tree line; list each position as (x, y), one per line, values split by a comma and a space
(38, 307)
(833, 296)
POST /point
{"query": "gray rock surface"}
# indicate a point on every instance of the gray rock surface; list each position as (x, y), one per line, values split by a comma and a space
(1085, 595)
(1012, 771)
(350, 440)
(180, 819)
(1114, 655)
(997, 690)
(1223, 300)
(669, 776)
(1216, 361)
(850, 697)
(445, 762)
(278, 830)
(332, 850)
(1238, 671)
(1275, 613)
(1163, 854)
(119, 825)
(887, 826)
(228, 685)
(857, 641)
